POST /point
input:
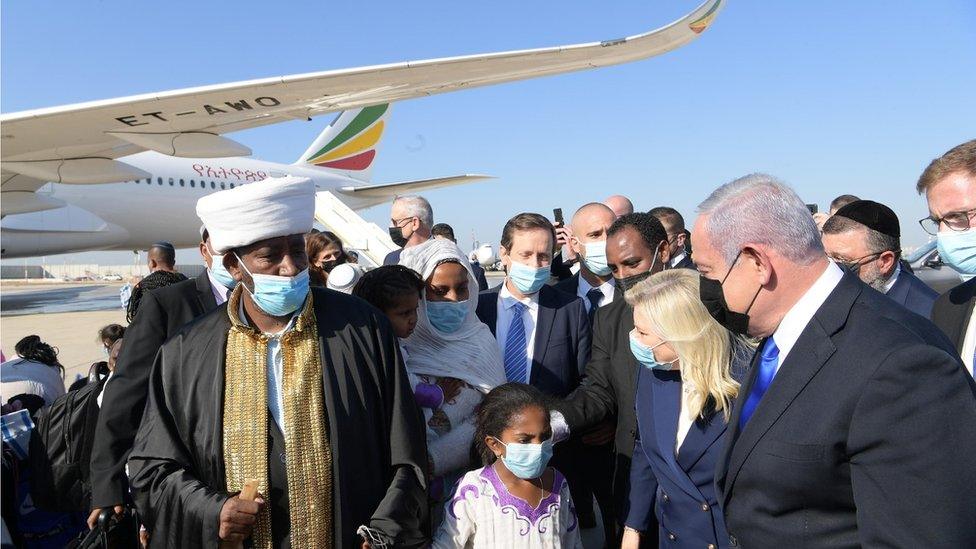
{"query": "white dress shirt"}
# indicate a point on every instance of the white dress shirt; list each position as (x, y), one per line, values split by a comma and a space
(678, 258)
(969, 343)
(607, 289)
(685, 420)
(220, 292)
(506, 304)
(276, 367)
(802, 312)
(890, 283)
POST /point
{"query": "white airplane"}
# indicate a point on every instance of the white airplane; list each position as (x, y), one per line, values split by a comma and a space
(121, 173)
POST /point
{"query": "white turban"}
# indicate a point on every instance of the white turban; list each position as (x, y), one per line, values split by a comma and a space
(256, 211)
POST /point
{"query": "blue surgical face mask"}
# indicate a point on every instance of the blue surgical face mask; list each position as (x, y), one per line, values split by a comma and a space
(958, 250)
(219, 273)
(527, 461)
(447, 316)
(526, 279)
(645, 354)
(277, 295)
(595, 257)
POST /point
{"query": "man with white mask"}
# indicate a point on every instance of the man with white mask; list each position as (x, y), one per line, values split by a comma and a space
(593, 283)
(258, 392)
(949, 185)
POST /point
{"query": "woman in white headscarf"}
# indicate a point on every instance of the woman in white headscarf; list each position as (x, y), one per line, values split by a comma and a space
(450, 342)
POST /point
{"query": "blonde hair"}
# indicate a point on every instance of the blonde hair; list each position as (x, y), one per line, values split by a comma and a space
(706, 350)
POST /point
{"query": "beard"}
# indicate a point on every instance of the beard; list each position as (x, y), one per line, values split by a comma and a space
(873, 277)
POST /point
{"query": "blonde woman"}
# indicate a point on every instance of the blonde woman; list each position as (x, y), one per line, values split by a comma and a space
(685, 389)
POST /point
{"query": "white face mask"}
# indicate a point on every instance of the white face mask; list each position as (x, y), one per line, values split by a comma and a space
(595, 257)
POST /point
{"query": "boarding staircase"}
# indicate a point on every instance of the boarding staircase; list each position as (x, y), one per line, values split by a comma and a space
(355, 232)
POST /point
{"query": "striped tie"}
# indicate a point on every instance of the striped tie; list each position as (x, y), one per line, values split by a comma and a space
(515, 350)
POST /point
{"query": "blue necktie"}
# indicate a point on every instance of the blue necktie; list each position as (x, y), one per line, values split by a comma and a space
(515, 347)
(767, 369)
(594, 296)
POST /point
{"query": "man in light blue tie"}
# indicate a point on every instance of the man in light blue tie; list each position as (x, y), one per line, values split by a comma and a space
(854, 426)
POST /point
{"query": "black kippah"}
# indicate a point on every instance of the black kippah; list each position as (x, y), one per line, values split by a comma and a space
(872, 215)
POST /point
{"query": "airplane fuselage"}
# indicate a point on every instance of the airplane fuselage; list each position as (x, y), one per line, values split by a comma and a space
(133, 214)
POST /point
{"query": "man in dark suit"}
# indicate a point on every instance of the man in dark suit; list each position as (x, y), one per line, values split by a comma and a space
(949, 184)
(162, 314)
(593, 283)
(636, 248)
(678, 243)
(854, 425)
(411, 219)
(864, 237)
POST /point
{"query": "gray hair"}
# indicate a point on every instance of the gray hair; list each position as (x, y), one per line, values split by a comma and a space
(417, 206)
(760, 209)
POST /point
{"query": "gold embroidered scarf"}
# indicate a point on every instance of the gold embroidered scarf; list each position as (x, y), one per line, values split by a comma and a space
(308, 457)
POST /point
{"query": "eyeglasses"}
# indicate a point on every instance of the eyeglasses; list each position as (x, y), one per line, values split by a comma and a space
(855, 265)
(396, 222)
(956, 221)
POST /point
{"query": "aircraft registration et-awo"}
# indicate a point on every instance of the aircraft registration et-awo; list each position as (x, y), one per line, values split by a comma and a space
(119, 174)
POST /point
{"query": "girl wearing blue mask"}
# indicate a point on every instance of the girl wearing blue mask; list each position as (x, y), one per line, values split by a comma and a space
(448, 342)
(515, 500)
(689, 366)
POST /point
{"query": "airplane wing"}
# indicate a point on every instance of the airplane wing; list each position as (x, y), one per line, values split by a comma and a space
(386, 191)
(78, 143)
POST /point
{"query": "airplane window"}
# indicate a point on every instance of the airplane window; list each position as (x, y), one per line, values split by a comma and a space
(232, 185)
(193, 183)
(159, 180)
(213, 185)
(171, 182)
(149, 181)
(222, 186)
(182, 183)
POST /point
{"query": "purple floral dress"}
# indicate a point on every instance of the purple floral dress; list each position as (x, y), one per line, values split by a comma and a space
(483, 514)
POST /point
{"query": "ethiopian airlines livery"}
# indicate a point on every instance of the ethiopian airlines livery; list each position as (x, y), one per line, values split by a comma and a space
(120, 173)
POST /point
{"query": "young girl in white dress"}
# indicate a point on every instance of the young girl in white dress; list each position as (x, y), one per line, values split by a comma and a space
(515, 500)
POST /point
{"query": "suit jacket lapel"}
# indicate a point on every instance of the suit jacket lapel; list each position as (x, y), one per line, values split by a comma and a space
(700, 438)
(667, 406)
(205, 296)
(543, 326)
(732, 433)
(489, 311)
(899, 292)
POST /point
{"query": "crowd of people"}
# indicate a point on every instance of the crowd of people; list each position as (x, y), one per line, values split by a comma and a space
(786, 381)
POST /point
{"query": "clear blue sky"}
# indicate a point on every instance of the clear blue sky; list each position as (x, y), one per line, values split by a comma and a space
(834, 97)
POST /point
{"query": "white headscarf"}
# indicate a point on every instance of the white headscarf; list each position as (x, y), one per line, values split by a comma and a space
(469, 354)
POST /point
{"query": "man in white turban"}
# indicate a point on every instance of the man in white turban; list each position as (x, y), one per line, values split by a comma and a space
(301, 391)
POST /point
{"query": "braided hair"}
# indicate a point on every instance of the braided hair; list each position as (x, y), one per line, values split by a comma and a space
(33, 349)
(384, 286)
(158, 279)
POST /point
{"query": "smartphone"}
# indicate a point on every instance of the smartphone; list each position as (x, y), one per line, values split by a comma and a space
(813, 208)
(557, 216)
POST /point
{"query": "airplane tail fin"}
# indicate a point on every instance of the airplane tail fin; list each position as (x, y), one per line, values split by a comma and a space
(348, 145)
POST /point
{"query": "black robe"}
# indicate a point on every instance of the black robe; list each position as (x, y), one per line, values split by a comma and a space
(376, 431)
